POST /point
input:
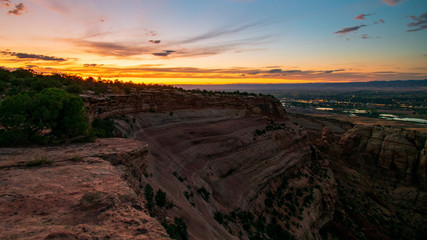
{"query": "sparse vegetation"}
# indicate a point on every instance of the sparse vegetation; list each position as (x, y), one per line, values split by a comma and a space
(179, 177)
(160, 198)
(103, 128)
(177, 230)
(77, 158)
(204, 193)
(149, 194)
(38, 162)
(269, 128)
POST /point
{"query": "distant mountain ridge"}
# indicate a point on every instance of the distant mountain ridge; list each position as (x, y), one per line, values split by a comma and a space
(417, 85)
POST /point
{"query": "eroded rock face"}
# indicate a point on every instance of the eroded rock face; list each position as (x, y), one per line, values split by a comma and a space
(74, 192)
(239, 165)
(398, 154)
(380, 172)
(216, 154)
(170, 100)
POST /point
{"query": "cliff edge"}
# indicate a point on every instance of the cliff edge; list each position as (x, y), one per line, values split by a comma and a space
(76, 191)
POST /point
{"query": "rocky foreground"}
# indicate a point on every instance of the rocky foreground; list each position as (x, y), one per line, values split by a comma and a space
(232, 167)
(74, 192)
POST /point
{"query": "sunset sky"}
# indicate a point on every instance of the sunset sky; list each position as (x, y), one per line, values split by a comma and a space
(218, 41)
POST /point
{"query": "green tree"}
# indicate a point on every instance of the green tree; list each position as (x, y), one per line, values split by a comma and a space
(149, 194)
(15, 120)
(177, 230)
(160, 198)
(72, 121)
(50, 113)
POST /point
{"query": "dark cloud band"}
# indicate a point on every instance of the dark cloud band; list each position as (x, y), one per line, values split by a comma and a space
(33, 56)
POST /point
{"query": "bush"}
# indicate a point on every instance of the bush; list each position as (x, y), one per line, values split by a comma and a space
(103, 128)
(204, 193)
(219, 217)
(177, 230)
(149, 194)
(38, 162)
(160, 198)
(74, 89)
(28, 117)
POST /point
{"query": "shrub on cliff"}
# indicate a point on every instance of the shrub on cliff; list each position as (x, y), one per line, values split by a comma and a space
(160, 198)
(204, 193)
(177, 230)
(103, 128)
(149, 194)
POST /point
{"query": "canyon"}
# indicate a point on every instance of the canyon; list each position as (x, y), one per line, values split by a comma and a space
(232, 166)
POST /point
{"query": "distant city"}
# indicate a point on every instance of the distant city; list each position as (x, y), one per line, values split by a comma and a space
(390, 100)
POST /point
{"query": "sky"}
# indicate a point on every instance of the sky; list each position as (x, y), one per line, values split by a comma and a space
(217, 41)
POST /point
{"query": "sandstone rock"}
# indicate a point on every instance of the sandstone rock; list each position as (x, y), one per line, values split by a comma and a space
(170, 100)
(79, 195)
(397, 153)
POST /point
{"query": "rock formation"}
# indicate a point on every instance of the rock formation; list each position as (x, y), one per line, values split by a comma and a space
(218, 155)
(381, 176)
(75, 192)
(225, 167)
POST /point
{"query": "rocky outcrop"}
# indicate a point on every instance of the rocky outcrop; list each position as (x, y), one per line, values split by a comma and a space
(223, 162)
(230, 167)
(169, 100)
(75, 192)
(213, 155)
(380, 172)
(398, 155)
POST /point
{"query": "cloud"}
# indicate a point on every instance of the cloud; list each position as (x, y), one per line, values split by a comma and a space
(220, 32)
(19, 9)
(109, 48)
(349, 29)
(391, 2)
(275, 70)
(150, 32)
(4, 3)
(164, 53)
(362, 16)
(193, 46)
(419, 23)
(90, 65)
(33, 56)
(61, 7)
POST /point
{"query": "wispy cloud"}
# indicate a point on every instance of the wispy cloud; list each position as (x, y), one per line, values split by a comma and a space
(19, 9)
(391, 2)
(159, 74)
(4, 3)
(362, 16)
(222, 31)
(33, 56)
(349, 29)
(196, 46)
(90, 65)
(61, 7)
(165, 53)
(419, 23)
(110, 48)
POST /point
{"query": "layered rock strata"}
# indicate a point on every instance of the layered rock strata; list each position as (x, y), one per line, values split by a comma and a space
(217, 155)
(380, 173)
